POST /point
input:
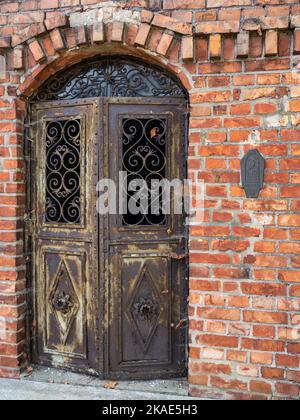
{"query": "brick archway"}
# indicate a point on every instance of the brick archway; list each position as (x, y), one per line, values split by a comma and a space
(242, 73)
(40, 57)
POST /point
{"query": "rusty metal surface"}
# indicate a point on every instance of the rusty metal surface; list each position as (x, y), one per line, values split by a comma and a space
(109, 299)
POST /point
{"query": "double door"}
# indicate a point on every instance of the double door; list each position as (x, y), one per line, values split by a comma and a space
(109, 255)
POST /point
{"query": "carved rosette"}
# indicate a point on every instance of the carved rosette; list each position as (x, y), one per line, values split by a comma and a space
(146, 309)
(62, 302)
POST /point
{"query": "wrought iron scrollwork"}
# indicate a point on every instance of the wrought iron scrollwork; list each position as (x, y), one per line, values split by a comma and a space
(145, 165)
(109, 78)
(63, 171)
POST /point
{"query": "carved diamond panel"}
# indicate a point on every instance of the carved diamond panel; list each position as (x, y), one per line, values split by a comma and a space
(145, 307)
(63, 300)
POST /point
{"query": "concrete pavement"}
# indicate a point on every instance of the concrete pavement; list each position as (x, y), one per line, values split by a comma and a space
(55, 384)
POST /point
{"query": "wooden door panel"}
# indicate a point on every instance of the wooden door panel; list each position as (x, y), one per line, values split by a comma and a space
(145, 302)
(145, 310)
(147, 298)
(166, 118)
(63, 296)
(65, 235)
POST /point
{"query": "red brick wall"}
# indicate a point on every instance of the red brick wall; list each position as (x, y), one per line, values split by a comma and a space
(239, 59)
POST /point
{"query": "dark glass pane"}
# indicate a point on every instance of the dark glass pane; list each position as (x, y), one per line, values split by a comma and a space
(144, 163)
(63, 171)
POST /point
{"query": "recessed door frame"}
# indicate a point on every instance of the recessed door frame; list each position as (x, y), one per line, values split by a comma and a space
(98, 243)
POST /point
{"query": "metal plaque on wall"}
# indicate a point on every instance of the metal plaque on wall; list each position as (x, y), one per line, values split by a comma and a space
(252, 173)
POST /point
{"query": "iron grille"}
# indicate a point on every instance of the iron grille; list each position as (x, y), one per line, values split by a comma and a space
(63, 171)
(145, 163)
(109, 78)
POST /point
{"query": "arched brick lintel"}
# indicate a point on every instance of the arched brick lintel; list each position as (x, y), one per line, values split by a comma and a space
(41, 50)
(32, 80)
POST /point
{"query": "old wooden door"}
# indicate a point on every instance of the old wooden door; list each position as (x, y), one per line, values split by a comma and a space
(146, 292)
(109, 290)
(65, 233)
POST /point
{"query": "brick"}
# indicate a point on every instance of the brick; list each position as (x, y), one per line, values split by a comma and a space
(289, 276)
(97, 32)
(36, 50)
(263, 289)
(237, 356)
(146, 16)
(164, 44)
(175, 25)
(18, 59)
(265, 317)
(297, 41)
(295, 21)
(260, 387)
(289, 220)
(57, 40)
(215, 46)
(271, 43)
(233, 384)
(210, 368)
(217, 96)
(142, 34)
(262, 345)
(274, 22)
(198, 379)
(242, 122)
(284, 44)
(267, 65)
(56, 21)
(224, 314)
(49, 4)
(218, 27)
(248, 370)
(187, 48)
(293, 376)
(183, 4)
(118, 31)
(265, 108)
(263, 331)
(295, 291)
(233, 67)
(267, 92)
(287, 361)
(228, 3)
(261, 358)
(255, 45)
(243, 44)
(287, 389)
(218, 341)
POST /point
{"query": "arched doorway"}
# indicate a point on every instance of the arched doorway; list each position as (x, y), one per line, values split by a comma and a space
(110, 289)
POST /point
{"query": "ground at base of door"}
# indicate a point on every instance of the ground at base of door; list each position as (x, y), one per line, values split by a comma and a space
(55, 384)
